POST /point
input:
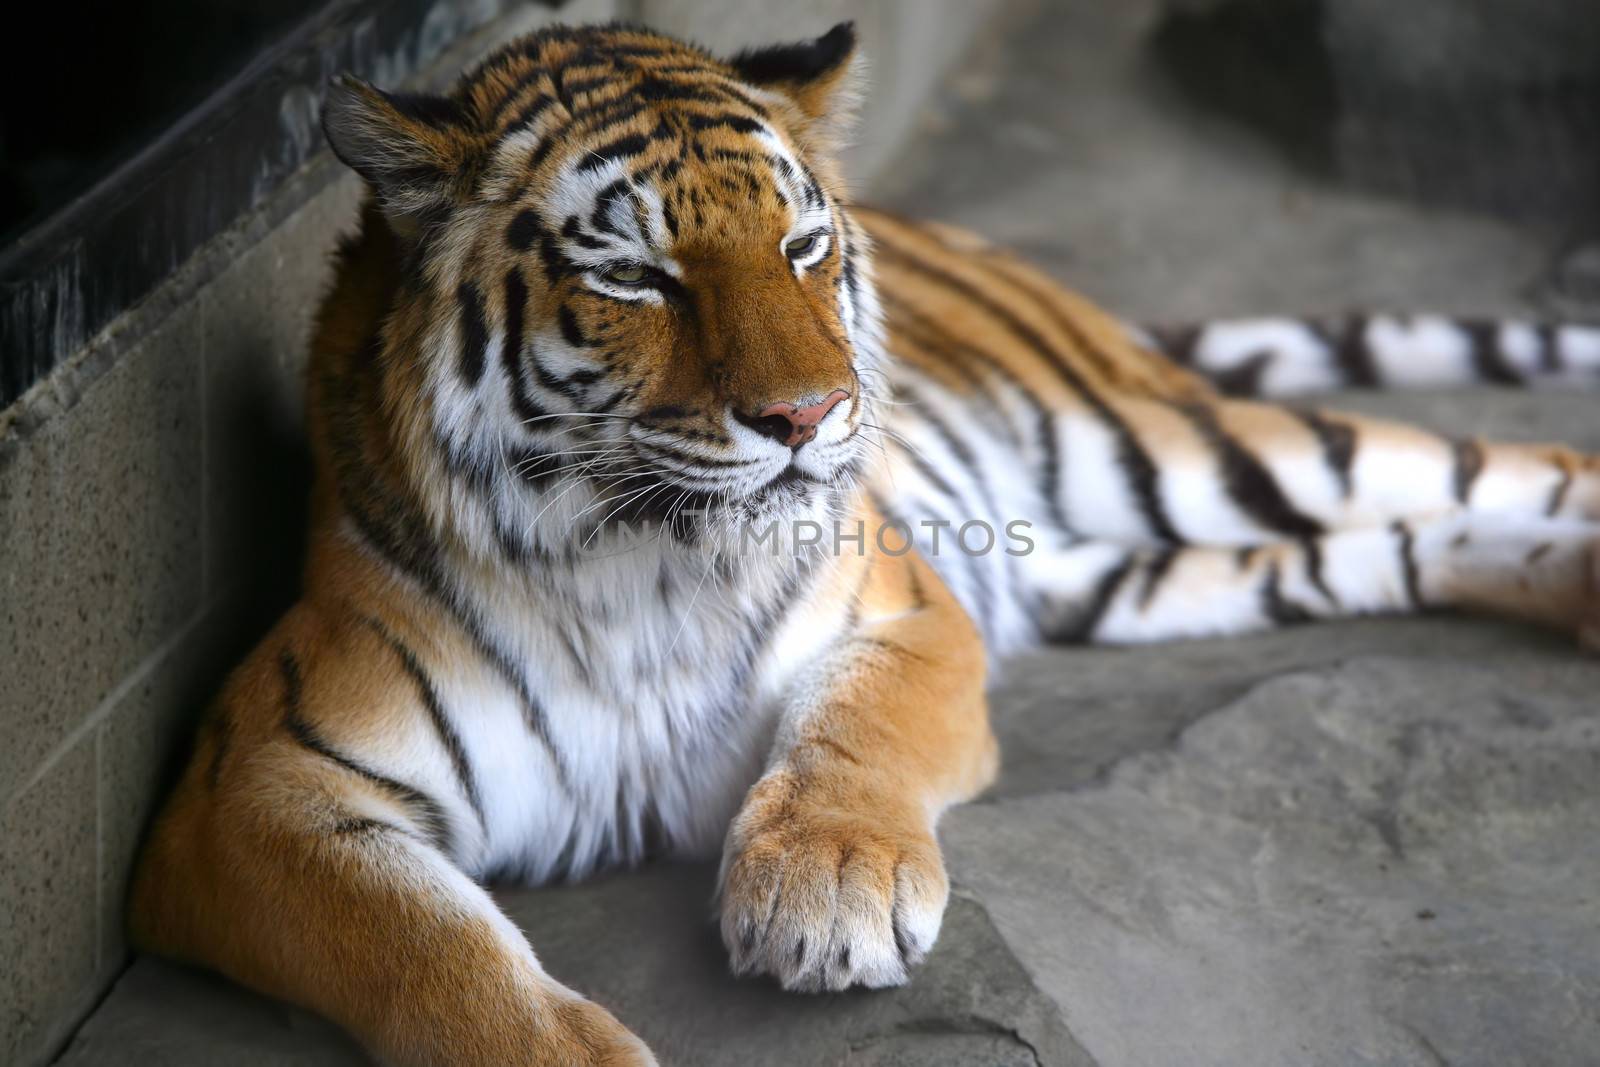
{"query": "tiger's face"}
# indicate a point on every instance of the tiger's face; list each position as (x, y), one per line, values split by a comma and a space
(632, 280)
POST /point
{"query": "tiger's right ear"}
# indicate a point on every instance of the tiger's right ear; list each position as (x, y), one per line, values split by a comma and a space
(821, 77)
(418, 152)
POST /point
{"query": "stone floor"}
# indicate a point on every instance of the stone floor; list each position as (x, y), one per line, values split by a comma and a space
(1370, 843)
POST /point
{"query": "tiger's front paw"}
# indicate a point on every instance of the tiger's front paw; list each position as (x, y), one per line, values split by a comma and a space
(825, 895)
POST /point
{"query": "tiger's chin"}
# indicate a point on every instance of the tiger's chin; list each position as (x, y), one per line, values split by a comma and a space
(780, 517)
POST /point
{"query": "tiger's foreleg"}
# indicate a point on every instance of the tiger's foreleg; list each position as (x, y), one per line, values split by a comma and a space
(831, 875)
(1546, 571)
(287, 869)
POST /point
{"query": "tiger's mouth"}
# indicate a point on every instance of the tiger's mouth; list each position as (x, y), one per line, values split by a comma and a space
(687, 512)
(789, 476)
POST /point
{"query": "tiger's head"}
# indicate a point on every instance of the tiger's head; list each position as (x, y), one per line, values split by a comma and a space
(629, 287)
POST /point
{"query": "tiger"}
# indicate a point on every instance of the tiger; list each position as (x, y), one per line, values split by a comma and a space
(608, 310)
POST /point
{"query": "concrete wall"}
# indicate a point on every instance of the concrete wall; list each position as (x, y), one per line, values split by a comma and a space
(151, 501)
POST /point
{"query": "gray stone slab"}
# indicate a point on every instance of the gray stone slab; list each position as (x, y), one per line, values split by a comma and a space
(644, 945)
(163, 1015)
(1388, 860)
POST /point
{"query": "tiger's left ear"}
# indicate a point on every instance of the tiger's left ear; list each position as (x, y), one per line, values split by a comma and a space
(418, 152)
(822, 78)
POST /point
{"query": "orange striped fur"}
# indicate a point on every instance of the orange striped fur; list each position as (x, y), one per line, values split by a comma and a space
(611, 281)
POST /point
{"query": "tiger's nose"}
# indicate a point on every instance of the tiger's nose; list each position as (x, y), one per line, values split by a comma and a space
(792, 425)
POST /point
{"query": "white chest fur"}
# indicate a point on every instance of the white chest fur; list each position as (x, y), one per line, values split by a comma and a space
(651, 686)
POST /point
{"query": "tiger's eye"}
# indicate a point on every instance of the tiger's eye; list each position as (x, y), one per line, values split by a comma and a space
(626, 275)
(800, 245)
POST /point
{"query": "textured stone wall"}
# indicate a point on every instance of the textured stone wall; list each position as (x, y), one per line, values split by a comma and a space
(152, 503)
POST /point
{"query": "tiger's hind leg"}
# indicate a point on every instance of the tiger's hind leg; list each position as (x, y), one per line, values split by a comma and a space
(1228, 472)
(1545, 571)
(1286, 357)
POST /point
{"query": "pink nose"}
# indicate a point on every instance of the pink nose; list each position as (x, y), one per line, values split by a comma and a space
(793, 426)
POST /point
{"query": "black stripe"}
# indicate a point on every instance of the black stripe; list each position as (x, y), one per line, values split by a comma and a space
(536, 466)
(448, 738)
(1080, 340)
(1468, 465)
(427, 810)
(1277, 607)
(363, 825)
(622, 148)
(1083, 626)
(571, 386)
(650, 88)
(539, 105)
(665, 413)
(600, 117)
(474, 333)
(1488, 355)
(516, 293)
(1549, 348)
(572, 230)
(985, 596)
(1312, 547)
(958, 448)
(1155, 573)
(928, 472)
(386, 519)
(604, 201)
(968, 459)
(571, 90)
(919, 595)
(726, 120)
(533, 715)
(571, 332)
(395, 531)
(929, 335)
(916, 328)
(1131, 455)
(1558, 495)
(523, 231)
(1351, 352)
(1247, 479)
(556, 264)
(684, 456)
(437, 112)
(514, 91)
(1338, 443)
(1243, 379)
(1177, 343)
(1408, 563)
